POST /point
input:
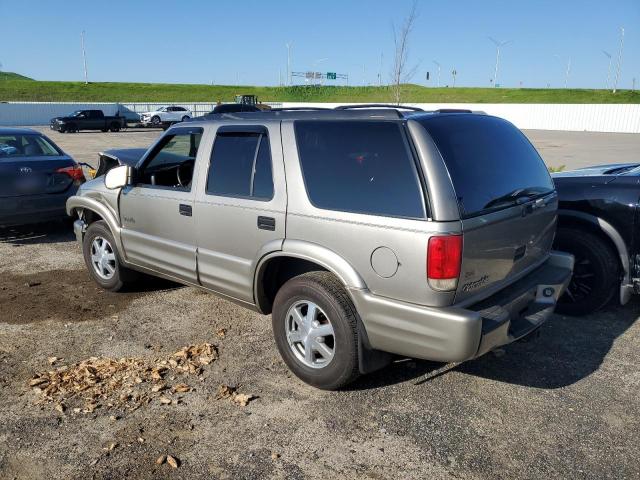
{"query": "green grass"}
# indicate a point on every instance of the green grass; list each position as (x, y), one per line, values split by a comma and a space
(29, 90)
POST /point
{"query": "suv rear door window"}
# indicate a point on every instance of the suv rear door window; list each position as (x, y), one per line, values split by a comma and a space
(491, 163)
(241, 166)
(361, 167)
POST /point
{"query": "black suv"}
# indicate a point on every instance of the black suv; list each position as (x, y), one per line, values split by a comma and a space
(598, 221)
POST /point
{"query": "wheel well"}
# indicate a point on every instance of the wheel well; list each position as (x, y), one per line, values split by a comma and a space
(89, 216)
(275, 273)
(585, 225)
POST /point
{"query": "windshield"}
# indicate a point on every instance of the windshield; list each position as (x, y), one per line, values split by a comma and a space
(491, 163)
(28, 145)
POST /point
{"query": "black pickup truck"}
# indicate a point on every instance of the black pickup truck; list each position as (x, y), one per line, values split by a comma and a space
(598, 220)
(87, 120)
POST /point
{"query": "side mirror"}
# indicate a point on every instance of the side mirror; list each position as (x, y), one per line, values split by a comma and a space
(117, 177)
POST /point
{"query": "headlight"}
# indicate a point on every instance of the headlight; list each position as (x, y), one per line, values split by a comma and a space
(60, 120)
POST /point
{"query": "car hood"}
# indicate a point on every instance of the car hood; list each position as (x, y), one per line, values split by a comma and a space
(597, 170)
(122, 156)
(125, 156)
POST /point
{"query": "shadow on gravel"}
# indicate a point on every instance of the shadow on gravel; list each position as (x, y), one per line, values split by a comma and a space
(52, 232)
(65, 295)
(567, 350)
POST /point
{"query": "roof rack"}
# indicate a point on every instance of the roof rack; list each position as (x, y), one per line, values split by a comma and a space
(379, 105)
(296, 109)
(453, 110)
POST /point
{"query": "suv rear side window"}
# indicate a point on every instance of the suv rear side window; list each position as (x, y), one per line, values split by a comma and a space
(241, 166)
(361, 167)
(491, 163)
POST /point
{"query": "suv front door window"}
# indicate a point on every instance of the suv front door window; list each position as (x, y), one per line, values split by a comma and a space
(158, 229)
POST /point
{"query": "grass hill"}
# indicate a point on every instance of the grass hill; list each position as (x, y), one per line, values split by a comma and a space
(13, 76)
(23, 89)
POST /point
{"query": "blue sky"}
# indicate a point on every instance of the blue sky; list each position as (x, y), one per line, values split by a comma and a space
(222, 41)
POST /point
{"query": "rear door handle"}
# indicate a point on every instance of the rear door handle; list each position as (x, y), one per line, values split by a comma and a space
(267, 223)
(185, 210)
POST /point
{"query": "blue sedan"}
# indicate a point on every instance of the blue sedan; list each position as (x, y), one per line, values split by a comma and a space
(36, 178)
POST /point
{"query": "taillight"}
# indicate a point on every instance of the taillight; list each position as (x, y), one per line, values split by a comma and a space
(75, 172)
(444, 255)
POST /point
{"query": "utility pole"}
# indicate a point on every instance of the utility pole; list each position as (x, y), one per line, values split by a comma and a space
(380, 71)
(289, 45)
(615, 85)
(498, 45)
(610, 57)
(566, 77)
(84, 58)
(438, 82)
(454, 72)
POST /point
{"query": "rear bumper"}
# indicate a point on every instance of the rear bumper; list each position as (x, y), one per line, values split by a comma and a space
(452, 334)
(34, 208)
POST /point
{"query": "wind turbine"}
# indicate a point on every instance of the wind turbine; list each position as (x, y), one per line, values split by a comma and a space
(498, 45)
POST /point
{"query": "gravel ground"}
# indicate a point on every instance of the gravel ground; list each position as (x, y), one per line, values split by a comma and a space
(562, 405)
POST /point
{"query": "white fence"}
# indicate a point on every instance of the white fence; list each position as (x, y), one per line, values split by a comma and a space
(622, 118)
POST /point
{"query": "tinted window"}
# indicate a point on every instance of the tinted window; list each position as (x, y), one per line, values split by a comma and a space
(491, 163)
(241, 166)
(363, 167)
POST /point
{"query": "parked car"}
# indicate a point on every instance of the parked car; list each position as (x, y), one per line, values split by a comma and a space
(165, 116)
(365, 233)
(88, 120)
(598, 224)
(36, 178)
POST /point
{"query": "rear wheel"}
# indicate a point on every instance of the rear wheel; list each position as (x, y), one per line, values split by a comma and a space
(596, 273)
(315, 328)
(102, 259)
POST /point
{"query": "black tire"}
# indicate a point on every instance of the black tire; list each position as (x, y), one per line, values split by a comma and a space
(155, 121)
(323, 289)
(115, 127)
(186, 117)
(596, 274)
(122, 277)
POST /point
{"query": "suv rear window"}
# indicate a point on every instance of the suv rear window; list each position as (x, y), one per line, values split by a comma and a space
(491, 163)
(362, 167)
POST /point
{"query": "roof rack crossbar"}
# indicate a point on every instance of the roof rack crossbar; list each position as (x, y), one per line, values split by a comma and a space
(296, 109)
(379, 105)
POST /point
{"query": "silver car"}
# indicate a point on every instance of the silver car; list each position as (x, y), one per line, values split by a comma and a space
(366, 233)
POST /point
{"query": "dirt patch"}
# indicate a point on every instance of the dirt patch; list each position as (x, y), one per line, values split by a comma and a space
(65, 295)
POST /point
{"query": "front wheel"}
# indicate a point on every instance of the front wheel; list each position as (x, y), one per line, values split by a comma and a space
(315, 329)
(185, 118)
(102, 259)
(115, 127)
(155, 121)
(596, 272)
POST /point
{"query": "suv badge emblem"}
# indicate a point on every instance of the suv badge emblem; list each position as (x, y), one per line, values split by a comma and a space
(25, 170)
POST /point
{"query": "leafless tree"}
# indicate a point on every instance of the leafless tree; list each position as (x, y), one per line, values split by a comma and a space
(402, 72)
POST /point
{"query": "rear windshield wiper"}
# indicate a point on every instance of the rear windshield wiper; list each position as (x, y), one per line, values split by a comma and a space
(516, 197)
